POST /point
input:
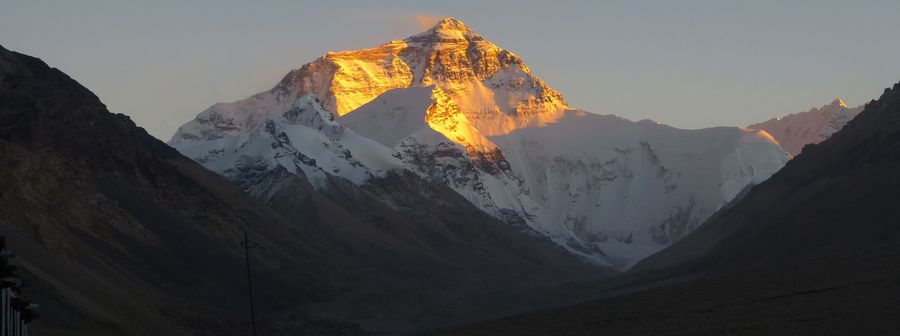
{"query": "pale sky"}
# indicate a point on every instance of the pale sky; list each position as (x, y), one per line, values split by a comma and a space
(689, 64)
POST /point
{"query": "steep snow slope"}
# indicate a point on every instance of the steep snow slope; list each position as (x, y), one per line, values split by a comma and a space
(629, 189)
(456, 109)
(605, 187)
(811, 251)
(801, 213)
(811, 127)
(393, 115)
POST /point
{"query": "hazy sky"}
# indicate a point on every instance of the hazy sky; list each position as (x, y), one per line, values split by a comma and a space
(690, 64)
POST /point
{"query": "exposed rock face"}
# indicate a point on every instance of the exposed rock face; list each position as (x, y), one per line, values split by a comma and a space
(797, 130)
(480, 76)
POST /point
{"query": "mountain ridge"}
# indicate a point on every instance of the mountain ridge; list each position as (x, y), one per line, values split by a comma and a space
(796, 130)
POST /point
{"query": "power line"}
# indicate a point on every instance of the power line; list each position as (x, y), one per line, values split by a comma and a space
(247, 245)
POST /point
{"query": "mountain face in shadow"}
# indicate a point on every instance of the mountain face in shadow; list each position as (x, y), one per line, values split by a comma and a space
(121, 234)
(813, 250)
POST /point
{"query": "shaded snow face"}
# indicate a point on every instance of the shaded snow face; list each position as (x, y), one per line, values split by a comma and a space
(609, 189)
(305, 140)
(456, 109)
(617, 191)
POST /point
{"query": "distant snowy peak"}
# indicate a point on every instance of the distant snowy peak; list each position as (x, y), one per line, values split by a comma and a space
(816, 125)
(492, 86)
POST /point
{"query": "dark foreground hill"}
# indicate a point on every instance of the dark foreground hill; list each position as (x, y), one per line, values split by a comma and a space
(120, 234)
(813, 250)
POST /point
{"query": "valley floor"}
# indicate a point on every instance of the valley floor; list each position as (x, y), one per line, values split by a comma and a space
(857, 295)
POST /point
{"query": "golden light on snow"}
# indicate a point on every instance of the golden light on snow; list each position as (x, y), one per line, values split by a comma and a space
(479, 90)
(359, 76)
(841, 103)
(464, 70)
(767, 136)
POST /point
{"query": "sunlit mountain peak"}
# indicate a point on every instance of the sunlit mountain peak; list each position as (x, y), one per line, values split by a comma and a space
(839, 102)
(450, 23)
(448, 30)
(490, 85)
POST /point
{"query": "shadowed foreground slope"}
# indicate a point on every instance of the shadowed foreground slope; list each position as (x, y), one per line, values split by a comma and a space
(119, 232)
(813, 250)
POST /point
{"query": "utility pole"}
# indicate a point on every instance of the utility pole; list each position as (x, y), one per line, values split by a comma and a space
(247, 245)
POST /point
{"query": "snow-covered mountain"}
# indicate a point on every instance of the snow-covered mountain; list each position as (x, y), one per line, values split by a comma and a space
(796, 130)
(454, 108)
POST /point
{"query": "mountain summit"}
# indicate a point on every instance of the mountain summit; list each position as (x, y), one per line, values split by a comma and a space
(839, 102)
(451, 29)
(490, 84)
(453, 108)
